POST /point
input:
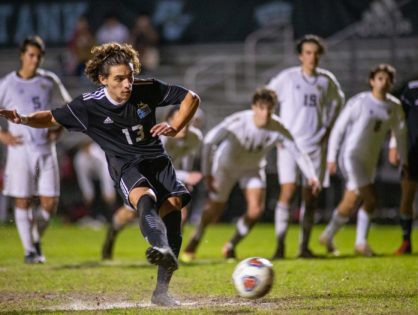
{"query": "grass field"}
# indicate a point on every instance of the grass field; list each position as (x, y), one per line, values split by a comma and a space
(75, 280)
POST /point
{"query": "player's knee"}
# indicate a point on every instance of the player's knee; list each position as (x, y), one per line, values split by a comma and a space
(170, 205)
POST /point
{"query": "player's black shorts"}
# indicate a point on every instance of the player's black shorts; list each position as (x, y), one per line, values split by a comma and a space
(413, 160)
(159, 175)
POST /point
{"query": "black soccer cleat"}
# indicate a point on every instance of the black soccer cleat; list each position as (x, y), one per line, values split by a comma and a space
(279, 254)
(162, 256)
(306, 253)
(228, 252)
(164, 299)
(107, 249)
(32, 258)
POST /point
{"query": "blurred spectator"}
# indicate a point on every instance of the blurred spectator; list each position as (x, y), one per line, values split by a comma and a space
(145, 38)
(80, 45)
(112, 30)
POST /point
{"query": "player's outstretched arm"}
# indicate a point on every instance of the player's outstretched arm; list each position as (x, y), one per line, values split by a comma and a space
(42, 119)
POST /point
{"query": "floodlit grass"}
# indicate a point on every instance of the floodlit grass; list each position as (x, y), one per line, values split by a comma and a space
(74, 278)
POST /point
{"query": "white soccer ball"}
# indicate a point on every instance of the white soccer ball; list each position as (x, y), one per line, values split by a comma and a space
(253, 277)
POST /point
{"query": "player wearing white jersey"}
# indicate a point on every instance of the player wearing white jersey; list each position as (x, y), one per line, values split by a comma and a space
(310, 99)
(242, 141)
(357, 138)
(183, 149)
(31, 168)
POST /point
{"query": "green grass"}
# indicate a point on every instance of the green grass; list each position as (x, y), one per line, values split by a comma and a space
(75, 279)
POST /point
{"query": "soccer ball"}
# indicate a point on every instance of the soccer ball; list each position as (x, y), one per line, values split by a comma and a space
(253, 277)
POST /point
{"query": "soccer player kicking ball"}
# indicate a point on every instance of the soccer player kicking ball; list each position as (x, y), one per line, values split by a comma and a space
(120, 117)
(32, 166)
(182, 149)
(242, 141)
(357, 138)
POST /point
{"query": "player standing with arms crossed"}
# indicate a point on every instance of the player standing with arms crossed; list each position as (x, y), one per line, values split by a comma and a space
(31, 167)
(310, 100)
(120, 117)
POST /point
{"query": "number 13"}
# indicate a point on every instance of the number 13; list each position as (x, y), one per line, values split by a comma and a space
(139, 132)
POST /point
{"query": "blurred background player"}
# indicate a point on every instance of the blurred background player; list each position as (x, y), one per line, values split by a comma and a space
(90, 165)
(242, 141)
(31, 167)
(357, 139)
(182, 150)
(409, 99)
(310, 99)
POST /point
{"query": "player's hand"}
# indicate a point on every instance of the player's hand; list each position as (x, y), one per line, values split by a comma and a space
(11, 115)
(8, 139)
(193, 178)
(332, 167)
(163, 129)
(393, 157)
(210, 183)
(315, 186)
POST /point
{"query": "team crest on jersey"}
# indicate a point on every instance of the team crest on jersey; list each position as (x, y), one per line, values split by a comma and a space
(143, 110)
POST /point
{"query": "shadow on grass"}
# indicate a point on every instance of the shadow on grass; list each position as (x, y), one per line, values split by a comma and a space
(104, 264)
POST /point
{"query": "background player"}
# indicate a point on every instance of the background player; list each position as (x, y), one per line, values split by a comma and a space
(31, 167)
(357, 138)
(310, 99)
(409, 99)
(242, 141)
(120, 117)
(182, 149)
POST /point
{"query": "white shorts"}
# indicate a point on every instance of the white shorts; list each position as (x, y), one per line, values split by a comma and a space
(356, 173)
(225, 178)
(29, 173)
(289, 171)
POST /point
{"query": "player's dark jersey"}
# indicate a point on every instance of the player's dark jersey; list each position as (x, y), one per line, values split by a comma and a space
(409, 100)
(122, 131)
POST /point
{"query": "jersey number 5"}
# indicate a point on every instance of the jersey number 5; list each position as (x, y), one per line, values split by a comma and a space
(139, 133)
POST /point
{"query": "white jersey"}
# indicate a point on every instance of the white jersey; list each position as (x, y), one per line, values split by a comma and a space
(361, 128)
(308, 105)
(27, 96)
(183, 151)
(241, 144)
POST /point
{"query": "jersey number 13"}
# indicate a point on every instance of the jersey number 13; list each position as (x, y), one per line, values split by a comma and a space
(138, 133)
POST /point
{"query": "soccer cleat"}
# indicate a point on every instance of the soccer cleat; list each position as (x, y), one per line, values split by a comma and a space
(107, 249)
(162, 256)
(228, 252)
(405, 249)
(187, 258)
(364, 250)
(38, 249)
(279, 254)
(32, 258)
(163, 299)
(329, 245)
(306, 253)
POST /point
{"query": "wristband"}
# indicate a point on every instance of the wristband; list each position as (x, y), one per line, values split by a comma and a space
(24, 119)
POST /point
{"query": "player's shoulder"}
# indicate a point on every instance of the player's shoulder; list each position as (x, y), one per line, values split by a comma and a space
(359, 98)
(237, 118)
(48, 75)
(285, 73)
(196, 133)
(393, 100)
(88, 97)
(327, 74)
(147, 82)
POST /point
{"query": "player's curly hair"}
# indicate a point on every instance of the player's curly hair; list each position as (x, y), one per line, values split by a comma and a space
(264, 95)
(310, 38)
(111, 54)
(383, 67)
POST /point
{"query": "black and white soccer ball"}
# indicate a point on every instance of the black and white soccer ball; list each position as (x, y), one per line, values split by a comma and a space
(253, 277)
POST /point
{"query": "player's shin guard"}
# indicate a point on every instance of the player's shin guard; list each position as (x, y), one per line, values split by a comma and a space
(363, 225)
(337, 221)
(281, 221)
(307, 224)
(406, 225)
(24, 223)
(172, 222)
(150, 223)
(242, 228)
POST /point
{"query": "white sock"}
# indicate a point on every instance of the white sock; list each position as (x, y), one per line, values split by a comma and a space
(42, 221)
(363, 224)
(281, 219)
(337, 221)
(242, 227)
(24, 228)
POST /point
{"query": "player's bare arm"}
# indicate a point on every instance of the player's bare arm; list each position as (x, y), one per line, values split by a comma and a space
(9, 139)
(42, 119)
(187, 109)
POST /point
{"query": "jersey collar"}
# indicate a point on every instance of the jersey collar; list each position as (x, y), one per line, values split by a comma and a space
(111, 100)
